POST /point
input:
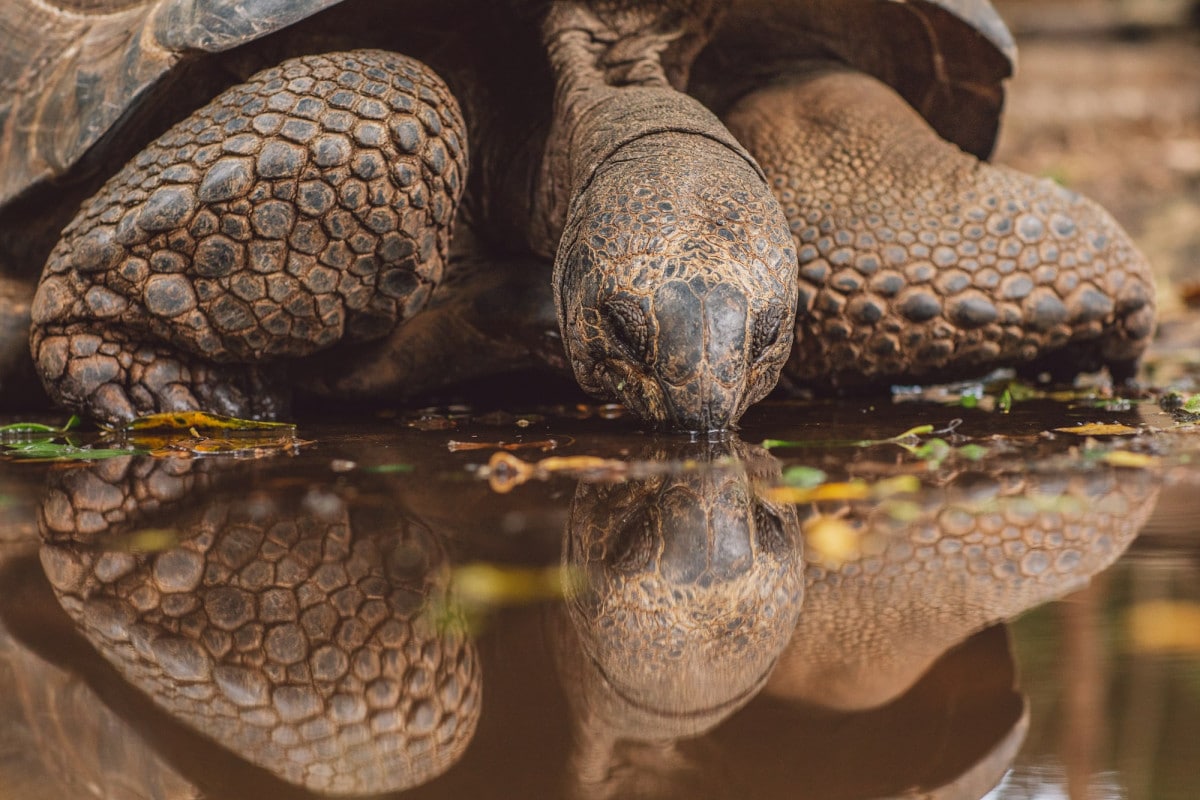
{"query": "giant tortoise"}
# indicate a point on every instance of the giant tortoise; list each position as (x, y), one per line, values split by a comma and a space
(726, 191)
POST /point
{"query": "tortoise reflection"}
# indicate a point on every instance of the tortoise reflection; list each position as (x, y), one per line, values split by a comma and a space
(704, 650)
(982, 548)
(286, 625)
(687, 588)
(59, 740)
(903, 632)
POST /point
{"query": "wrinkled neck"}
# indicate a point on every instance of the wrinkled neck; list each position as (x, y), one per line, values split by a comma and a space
(617, 68)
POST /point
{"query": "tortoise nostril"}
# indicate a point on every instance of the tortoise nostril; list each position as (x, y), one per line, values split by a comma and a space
(628, 323)
(765, 332)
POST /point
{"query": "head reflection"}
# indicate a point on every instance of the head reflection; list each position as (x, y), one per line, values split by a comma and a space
(684, 588)
(296, 630)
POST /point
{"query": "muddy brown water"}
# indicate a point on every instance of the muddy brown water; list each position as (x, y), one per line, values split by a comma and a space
(372, 613)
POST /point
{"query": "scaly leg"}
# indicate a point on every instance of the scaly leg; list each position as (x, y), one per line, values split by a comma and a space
(309, 206)
(918, 260)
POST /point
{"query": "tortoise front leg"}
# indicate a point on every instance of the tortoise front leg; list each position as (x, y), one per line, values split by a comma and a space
(311, 205)
(918, 260)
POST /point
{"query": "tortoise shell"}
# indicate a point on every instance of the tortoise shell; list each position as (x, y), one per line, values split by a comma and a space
(77, 67)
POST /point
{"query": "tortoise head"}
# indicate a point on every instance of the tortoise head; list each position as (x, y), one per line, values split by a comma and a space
(675, 272)
(676, 282)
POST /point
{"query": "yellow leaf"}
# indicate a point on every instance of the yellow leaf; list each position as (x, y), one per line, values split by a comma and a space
(581, 464)
(1165, 626)
(901, 484)
(201, 420)
(851, 490)
(544, 445)
(237, 446)
(832, 540)
(498, 585)
(1124, 458)
(1099, 429)
(505, 471)
(903, 510)
(152, 540)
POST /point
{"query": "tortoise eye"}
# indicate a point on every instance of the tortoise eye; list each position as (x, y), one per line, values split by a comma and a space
(766, 331)
(628, 324)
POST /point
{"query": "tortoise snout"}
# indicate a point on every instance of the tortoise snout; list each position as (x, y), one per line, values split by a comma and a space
(702, 362)
(702, 407)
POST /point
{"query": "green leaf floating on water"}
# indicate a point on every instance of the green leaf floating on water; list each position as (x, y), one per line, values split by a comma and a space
(972, 452)
(50, 450)
(19, 428)
(903, 438)
(933, 451)
(1181, 404)
(803, 477)
(386, 469)
(35, 441)
(148, 435)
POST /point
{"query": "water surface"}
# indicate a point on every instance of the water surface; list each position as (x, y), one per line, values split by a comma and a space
(1008, 612)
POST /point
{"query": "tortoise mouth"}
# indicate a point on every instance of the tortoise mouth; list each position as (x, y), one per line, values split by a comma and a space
(662, 404)
(708, 418)
(620, 381)
(661, 707)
